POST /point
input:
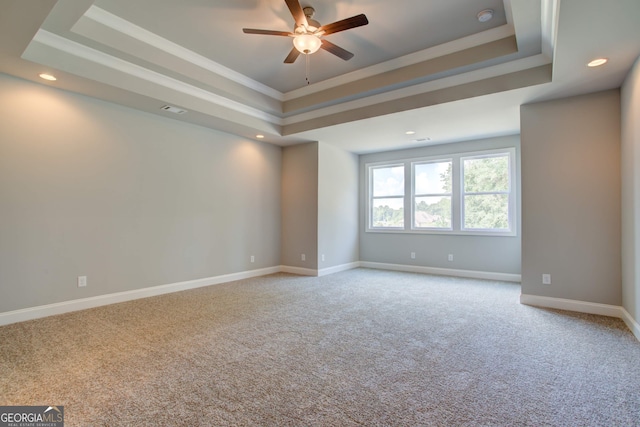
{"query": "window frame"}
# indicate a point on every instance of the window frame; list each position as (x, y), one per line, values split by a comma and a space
(511, 199)
(424, 161)
(370, 196)
(457, 194)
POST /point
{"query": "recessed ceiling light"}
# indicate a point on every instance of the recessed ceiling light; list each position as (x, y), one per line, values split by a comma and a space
(410, 132)
(260, 136)
(48, 77)
(485, 15)
(597, 62)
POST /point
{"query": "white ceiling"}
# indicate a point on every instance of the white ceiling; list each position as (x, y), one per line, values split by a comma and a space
(422, 65)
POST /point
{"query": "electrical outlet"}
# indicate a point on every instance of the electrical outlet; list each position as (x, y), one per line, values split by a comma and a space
(303, 257)
(413, 255)
(253, 258)
(450, 257)
(546, 279)
(82, 281)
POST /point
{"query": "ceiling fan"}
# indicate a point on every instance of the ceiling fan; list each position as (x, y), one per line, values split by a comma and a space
(307, 33)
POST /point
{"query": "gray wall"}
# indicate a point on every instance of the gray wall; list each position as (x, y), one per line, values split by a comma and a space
(337, 206)
(300, 205)
(495, 254)
(129, 199)
(571, 198)
(631, 192)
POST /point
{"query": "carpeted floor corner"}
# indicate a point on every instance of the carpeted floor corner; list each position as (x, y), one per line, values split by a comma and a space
(361, 347)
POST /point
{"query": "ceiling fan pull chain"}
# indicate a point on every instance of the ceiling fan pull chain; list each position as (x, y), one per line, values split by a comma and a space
(307, 72)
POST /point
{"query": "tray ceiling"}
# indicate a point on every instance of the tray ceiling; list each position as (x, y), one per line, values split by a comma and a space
(193, 54)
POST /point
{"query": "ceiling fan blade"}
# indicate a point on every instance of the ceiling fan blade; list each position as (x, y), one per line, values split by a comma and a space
(336, 50)
(345, 24)
(297, 12)
(293, 55)
(266, 32)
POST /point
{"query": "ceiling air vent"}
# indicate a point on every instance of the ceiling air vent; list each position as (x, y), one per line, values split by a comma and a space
(172, 109)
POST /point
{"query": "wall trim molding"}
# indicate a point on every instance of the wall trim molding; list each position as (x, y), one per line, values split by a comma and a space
(631, 323)
(101, 300)
(90, 54)
(572, 305)
(583, 307)
(32, 313)
(299, 270)
(338, 268)
(123, 26)
(471, 274)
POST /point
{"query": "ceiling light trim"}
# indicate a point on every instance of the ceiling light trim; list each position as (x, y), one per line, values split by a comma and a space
(130, 29)
(79, 50)
(48, 77)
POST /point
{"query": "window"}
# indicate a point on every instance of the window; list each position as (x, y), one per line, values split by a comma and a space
(386, 187)
(466, 193)
(432, 195)
(485, 192)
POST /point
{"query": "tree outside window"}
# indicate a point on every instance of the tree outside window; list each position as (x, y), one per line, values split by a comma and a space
(486, 192)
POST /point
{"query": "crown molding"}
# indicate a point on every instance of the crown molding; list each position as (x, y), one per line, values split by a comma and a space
(430, 86)
(454, 46)
(123, 26)
(79, 50)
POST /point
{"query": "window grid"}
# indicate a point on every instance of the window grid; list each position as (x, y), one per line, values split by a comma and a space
(483, 194)
(438, 215)
(410, 194)
(379, 217)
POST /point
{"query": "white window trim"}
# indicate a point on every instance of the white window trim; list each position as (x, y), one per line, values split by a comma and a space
(456, 195)
(414, 195)
(370, 198)
(511, 156)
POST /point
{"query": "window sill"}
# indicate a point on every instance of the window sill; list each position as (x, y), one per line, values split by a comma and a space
(444, 232)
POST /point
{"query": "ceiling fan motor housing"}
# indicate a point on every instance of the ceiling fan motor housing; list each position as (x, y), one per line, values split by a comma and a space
(313, 24)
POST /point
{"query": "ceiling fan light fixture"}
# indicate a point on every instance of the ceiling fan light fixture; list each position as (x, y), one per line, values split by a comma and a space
(307, 43)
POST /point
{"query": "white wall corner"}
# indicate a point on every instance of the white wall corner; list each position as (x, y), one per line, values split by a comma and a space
(299, 271)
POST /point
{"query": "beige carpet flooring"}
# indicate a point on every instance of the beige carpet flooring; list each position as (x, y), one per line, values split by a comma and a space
(361, 347)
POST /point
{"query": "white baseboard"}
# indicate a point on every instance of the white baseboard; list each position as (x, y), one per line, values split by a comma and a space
(338, 268)
(299, 270)
(101, 300)
(318, 273)
(504, 277)
(31, 313)
(631, 323)
(97, 301)
(572, 305)
(583, 307)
